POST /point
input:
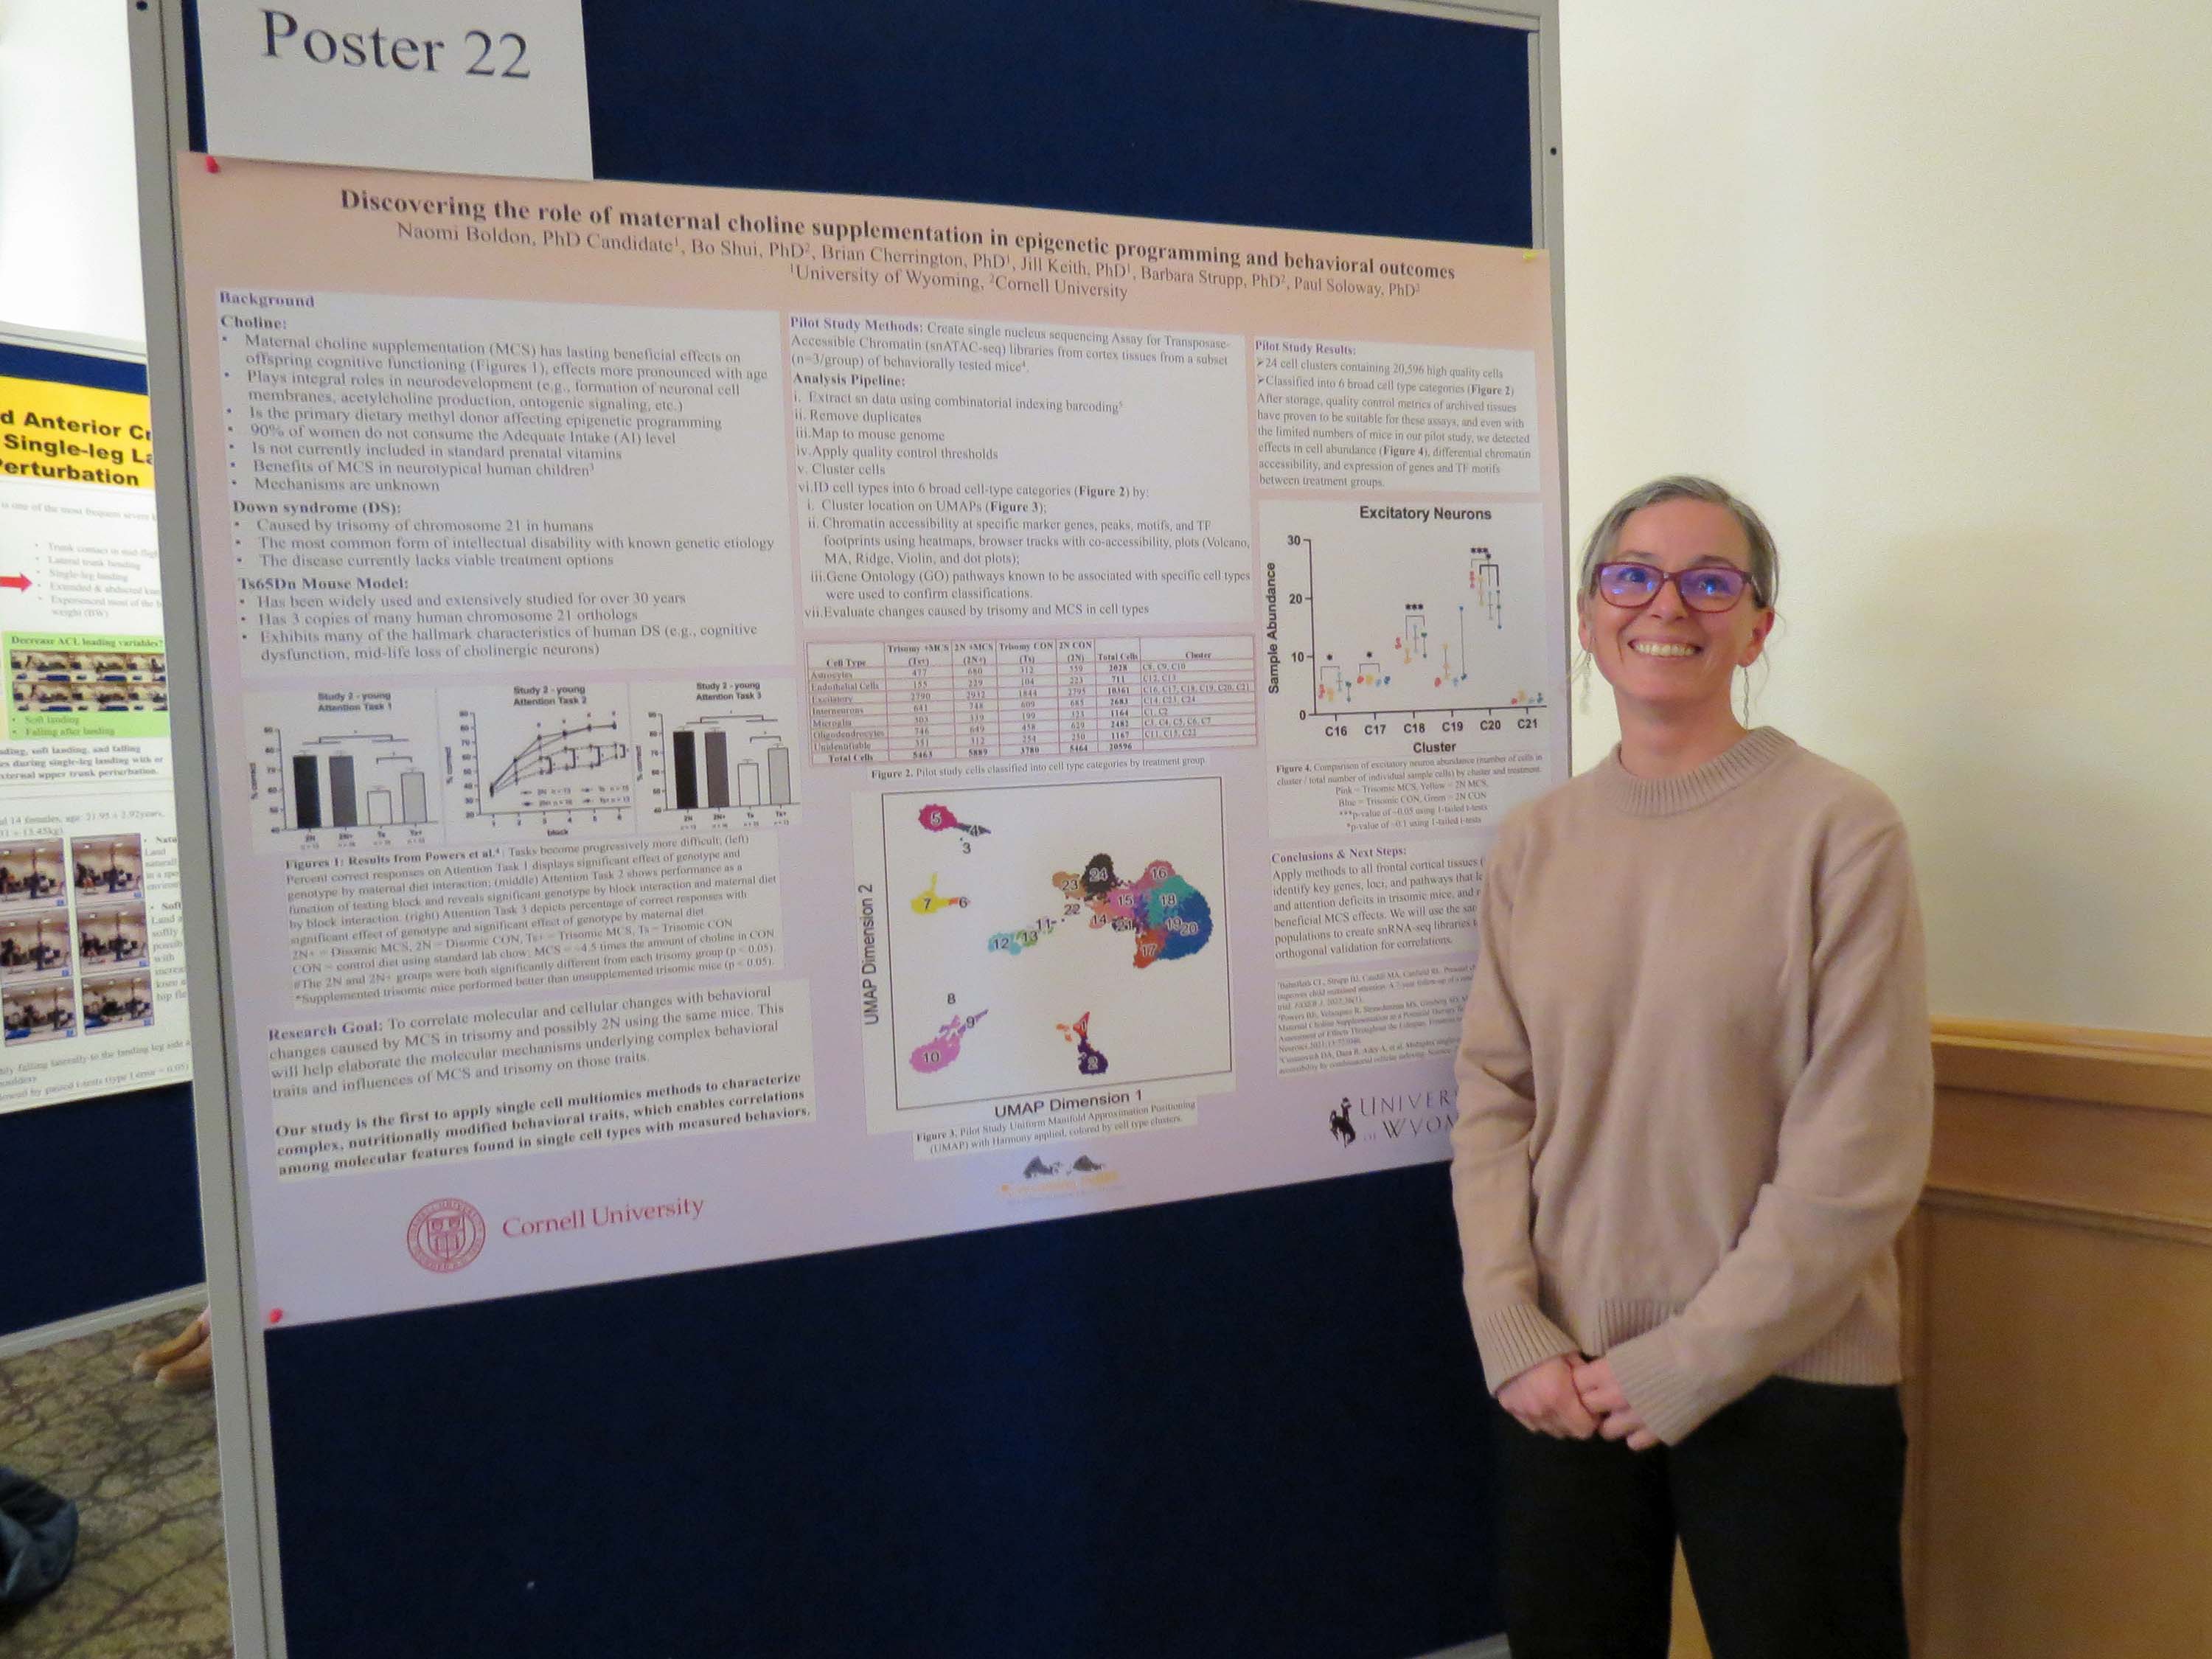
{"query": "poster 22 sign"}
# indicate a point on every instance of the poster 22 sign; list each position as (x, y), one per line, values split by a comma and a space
(749, 724)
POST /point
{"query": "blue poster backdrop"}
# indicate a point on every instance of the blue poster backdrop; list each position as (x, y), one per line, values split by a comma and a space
(1242, 1426)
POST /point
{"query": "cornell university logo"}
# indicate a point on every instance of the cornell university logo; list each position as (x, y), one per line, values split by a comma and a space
(445, 1235)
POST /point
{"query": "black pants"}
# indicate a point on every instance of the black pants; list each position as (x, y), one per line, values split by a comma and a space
(1787, 1504)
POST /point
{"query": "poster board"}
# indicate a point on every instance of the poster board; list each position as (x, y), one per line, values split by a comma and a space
(91, 946)
(109, 1190)
(447, 1240)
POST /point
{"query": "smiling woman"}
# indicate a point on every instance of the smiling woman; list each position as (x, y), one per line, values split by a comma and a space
(1691, 535)
(1694, 1103)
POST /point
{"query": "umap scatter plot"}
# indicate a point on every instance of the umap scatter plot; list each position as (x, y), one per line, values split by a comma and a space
(1105, 972)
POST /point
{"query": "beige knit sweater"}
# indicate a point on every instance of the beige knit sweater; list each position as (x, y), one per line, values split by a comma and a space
(1695, 1081)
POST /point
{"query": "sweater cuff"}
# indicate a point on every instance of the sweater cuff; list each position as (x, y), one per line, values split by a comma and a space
(1672, 1401)
(1513, 1338)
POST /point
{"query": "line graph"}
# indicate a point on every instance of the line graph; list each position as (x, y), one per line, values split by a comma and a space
(543, 761)
(569, 749)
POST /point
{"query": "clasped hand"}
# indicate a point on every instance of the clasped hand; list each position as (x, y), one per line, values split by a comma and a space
(1571, 1398)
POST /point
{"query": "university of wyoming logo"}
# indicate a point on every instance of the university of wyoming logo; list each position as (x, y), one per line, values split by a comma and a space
(1339, 1123)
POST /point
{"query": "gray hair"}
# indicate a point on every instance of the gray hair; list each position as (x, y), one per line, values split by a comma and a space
(1605, 540)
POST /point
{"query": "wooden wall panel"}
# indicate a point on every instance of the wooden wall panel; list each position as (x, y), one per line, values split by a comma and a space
(2068, 1433)
(2062, 1503)
(2102, 1164)
(2058, 1280)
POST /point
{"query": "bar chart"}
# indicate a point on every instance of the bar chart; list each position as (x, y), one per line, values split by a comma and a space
(335, 783)
(720, 753)
(349, 767)
(701, 754)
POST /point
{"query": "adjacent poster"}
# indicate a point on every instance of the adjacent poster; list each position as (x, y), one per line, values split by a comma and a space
(751, 723)
(91, 953)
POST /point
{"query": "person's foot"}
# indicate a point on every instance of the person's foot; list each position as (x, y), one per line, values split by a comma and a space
(191, 1374)
(194, 1335)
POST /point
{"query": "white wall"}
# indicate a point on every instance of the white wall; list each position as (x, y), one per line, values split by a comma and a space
(1931, 285)
(69, 197)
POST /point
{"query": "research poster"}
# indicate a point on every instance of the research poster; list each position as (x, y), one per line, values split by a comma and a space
(91, 948)
(749, 723)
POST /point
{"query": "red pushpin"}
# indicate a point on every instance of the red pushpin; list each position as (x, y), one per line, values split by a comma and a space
(214, 165)
(275, 1315)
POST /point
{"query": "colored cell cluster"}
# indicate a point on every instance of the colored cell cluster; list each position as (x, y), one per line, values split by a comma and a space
(1090, 1059)
(941, 1050)
(936, 819)
(1169, 917)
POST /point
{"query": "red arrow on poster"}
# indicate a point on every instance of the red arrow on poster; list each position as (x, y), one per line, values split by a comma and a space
(20, 584)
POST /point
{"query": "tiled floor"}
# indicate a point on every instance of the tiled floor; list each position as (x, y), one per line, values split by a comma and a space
(149, 1579)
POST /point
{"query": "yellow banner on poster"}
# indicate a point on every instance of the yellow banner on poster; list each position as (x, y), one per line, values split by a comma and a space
(75, 434)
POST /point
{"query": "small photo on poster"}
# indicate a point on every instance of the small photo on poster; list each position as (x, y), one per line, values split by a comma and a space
(33, 876)
(39, 1013)
(113, 663)
(35, 944)
(107, 866)
(111, 935)
(116, 1002)
(67, 686)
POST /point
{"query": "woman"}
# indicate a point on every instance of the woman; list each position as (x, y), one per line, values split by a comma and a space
(1695, 1087)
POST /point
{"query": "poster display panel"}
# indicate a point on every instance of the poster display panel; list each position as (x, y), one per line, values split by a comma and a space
(92, 982)
(748, 723)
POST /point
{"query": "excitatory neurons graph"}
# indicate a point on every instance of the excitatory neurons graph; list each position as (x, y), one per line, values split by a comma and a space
(1405, 628)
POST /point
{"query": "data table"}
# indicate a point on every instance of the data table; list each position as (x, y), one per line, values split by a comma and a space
(945, 701)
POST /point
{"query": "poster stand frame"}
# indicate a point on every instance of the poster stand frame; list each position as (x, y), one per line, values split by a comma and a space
(160, 105)
(88, 345)
(160, 52)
